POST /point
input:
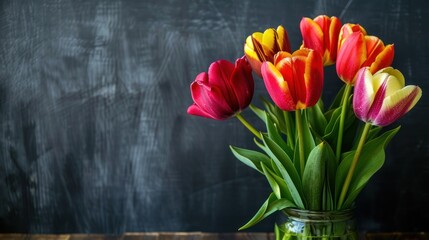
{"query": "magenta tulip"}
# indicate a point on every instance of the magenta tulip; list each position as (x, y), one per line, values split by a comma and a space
(382, 98)
(224, 91)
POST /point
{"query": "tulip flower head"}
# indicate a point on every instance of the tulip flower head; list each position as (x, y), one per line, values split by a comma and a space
(294, 81)
(224, 91)
(261, 47)
(382, 98)
(358, 50)
(321, 35)
(348, 29)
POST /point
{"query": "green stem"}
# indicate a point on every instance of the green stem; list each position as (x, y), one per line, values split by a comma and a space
(353, 165)
(344, 101)
(290, 139)
(300, 140)
(248, 126)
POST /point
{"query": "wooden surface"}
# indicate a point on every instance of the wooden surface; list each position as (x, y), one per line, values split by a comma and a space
(194, 236)
(145, 236)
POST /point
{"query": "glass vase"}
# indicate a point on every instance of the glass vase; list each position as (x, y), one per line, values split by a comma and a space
(304, 224)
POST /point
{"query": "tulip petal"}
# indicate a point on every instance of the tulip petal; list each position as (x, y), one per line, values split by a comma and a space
(210, 100)
(283, 63)
(346, 30)
(300, 80)
(396, 80)
(242, 82)
(334, 31)
(379, 97)
(396, 105)
(218, 72)
(363, 95)
(351, 56)
(280, 56)
(269, 43)
(194, 109)
(277, 87)
(312, 35)
(374, 46)
(219, 75)
(257, 47)
(283, 39)
(313, 78)
(383, 59)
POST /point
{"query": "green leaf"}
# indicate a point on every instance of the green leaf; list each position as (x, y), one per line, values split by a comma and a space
(271, 205)
(331, 130)
(373, 133)
(286, 168)
(313, 178)
(331, 163)
(308, 140)
(317, 119)
(251, 158)
(351, 123)
(309, 143)
(328, 199)
(277, 232)
(331, 170)
(295, 159)
(274, 134)
(273, 183)
(276, 169)
(342, 171)
(338, 98)
(258, 112)
(276, 113)
(370, 161)
(277, 184)
(290, 119)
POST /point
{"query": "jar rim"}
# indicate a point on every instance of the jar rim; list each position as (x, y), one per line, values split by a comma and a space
(319, 216)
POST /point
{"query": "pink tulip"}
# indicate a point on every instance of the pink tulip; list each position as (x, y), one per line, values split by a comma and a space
(224, 91)
(382, 98)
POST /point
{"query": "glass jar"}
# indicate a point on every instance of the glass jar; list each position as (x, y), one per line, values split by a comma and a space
(304, 224)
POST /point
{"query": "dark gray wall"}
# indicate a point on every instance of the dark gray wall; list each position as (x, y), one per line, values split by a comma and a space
(94, 135)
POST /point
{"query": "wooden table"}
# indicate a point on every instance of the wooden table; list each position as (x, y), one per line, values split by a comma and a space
(193, 236)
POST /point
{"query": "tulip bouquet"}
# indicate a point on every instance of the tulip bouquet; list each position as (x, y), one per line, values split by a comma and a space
(315, 157)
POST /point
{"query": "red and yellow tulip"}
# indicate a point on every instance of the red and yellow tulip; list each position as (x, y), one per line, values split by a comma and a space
(348, 29)
(321, 34)
(261, 47)
(357, 50)
(294, 81)
(224, 91)
(382, 98)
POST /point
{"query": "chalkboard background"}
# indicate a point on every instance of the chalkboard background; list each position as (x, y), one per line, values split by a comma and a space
(94, 135)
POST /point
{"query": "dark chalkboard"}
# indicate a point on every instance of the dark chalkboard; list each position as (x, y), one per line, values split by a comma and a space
(94, 135)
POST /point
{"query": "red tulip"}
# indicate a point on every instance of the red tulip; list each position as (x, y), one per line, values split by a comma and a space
(321, 35)
(347, 29)
(294, 81)
(261, 47)
(358, 50)
(224, 91)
